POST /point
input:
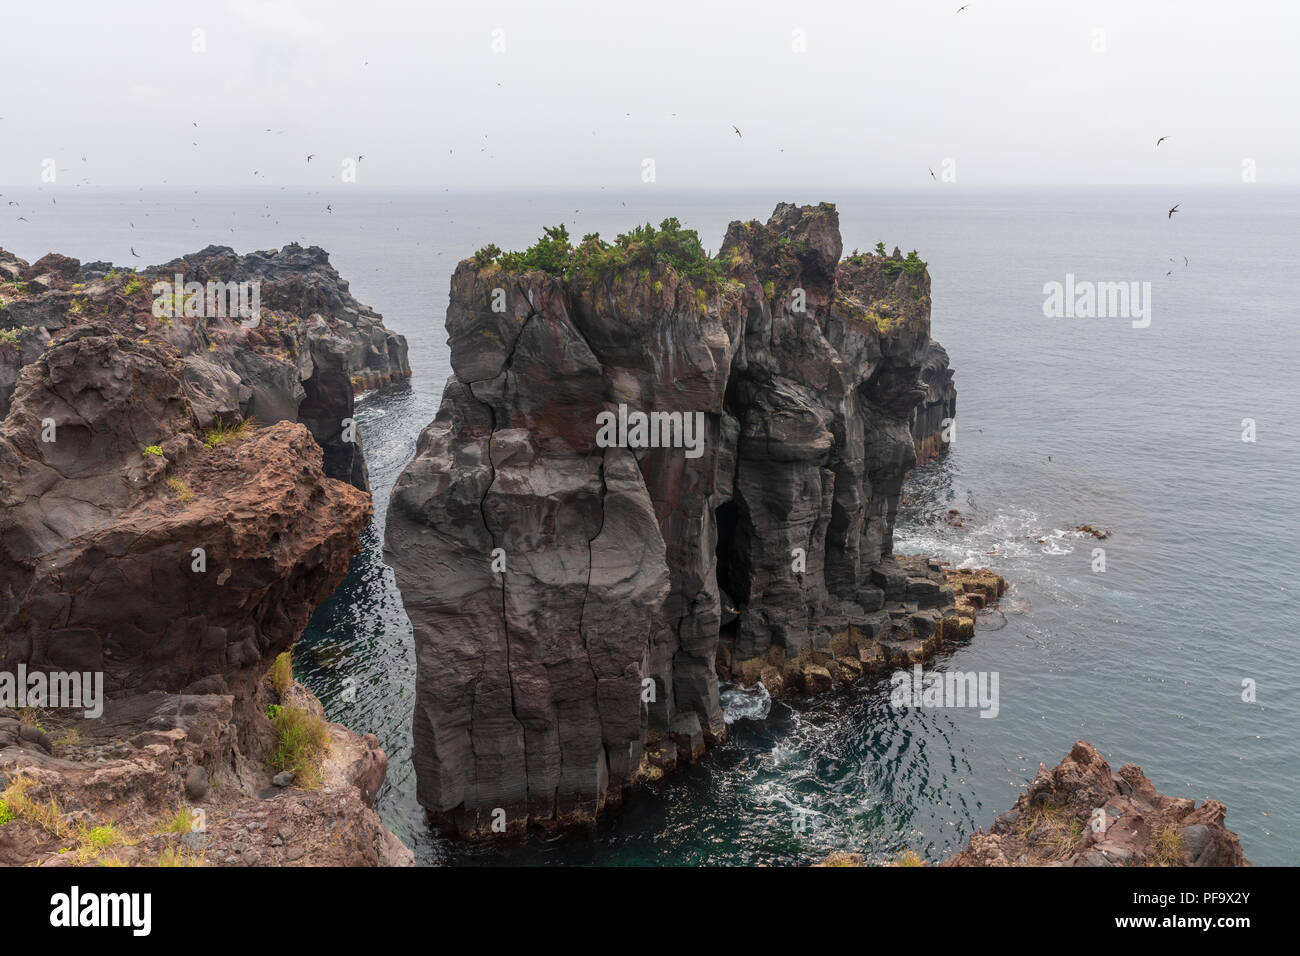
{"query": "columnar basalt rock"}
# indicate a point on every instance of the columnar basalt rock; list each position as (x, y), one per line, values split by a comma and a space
(938, 410)
(574, 603)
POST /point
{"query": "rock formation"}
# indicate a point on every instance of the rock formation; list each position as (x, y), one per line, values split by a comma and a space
(938, 406)
(1082, 814)
(575, 600)
(312, 348)
(167, 519)
(125, 787)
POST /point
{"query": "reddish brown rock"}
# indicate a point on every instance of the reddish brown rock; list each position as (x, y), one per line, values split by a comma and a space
(1082, 814)
(125, 776)
(99, 527)
(137, 544)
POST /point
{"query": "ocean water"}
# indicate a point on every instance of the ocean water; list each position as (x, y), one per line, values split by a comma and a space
(1061, 422)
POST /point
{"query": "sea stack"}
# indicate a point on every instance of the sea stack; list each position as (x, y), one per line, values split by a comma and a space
(577, 600)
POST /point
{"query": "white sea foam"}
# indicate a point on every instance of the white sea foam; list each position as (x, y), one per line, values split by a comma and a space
(745, 703)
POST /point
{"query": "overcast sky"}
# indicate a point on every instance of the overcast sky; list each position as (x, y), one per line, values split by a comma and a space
(580, 94)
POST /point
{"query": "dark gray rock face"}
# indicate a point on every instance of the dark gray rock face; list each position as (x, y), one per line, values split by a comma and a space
(314, 347)
(570, 600)
(938, 407)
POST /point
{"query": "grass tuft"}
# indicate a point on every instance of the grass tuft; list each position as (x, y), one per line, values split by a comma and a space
(301, 745)
(1166, 847)
(176, 856)
(45, 816)
(281, 673)
(221, 433)
(180, 489)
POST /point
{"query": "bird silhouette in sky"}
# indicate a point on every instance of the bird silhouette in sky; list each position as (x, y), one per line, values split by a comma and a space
(134, 253)
(736, 130)
(932, 175)
(1161, 140)
(1174, 210)
(309, 156)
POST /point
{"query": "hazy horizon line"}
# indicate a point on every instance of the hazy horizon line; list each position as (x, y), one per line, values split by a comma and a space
(728, 188)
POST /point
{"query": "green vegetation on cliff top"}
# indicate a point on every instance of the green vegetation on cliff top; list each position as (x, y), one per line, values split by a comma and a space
(642, 248)
(912, 263)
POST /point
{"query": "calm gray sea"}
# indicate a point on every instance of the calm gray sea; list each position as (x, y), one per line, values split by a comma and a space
(1144, 432)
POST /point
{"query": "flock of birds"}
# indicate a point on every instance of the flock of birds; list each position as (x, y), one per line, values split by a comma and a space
(329, 209)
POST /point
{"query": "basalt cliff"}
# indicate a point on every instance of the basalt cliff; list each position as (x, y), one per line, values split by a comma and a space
(177, 495)
(582, 570)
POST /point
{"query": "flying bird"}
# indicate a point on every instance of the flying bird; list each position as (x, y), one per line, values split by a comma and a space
(1174, 210)
(961, 8)
(23, 219)
(329, 208)
(736, 130)
(309, 156)
(932, 175)
(1161, 140)
(134, 253)
(361, 157)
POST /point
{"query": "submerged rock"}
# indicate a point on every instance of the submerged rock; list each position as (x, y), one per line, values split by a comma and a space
(568, 548)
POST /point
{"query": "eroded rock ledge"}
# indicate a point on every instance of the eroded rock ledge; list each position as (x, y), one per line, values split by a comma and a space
(148, 538)
(571, 601)
(166, 779)
(314, 347)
